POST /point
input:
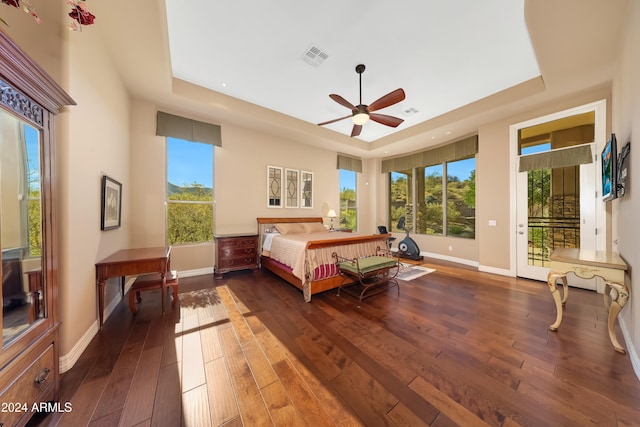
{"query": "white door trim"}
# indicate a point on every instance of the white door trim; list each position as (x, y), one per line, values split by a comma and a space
(600, 134)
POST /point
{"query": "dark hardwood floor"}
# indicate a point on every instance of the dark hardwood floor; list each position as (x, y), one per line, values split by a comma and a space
(457, 347)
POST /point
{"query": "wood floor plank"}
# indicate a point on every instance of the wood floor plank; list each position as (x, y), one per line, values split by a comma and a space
(282, 411)
(119, 382)
(195, 405)
(167, 404)
(449, 407)
(139, 404)
(222, 399)
(250, 403)
(368, 398)
(309, 408)
(192, 363)
(84, 402)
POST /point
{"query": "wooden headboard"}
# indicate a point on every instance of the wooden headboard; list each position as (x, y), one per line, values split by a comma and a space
(264, 220)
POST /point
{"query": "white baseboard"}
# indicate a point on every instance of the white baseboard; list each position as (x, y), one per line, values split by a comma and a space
(498, 271)
(197, 272)
(451, 259)
(67, 361)
(631, 349)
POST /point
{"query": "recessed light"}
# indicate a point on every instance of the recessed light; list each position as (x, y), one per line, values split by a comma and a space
(448, 132)
(224, 85)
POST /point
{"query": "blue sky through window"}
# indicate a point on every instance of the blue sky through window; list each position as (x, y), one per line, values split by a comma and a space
(189, 162)
(535, 148)
(347, 179)
(32, 138)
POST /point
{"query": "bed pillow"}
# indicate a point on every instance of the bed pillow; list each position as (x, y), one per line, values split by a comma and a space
(290, 228)
(314, 227)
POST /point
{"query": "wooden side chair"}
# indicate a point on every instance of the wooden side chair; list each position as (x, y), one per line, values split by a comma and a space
(148, 282)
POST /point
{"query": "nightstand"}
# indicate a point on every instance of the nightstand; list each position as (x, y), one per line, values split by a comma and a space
(235, 252)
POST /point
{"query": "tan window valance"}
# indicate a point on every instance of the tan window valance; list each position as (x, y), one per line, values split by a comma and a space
(187, 129)
(560, 158)
(458, 150)
(349, 163)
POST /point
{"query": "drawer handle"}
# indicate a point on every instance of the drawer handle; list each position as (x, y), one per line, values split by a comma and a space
(43, 377)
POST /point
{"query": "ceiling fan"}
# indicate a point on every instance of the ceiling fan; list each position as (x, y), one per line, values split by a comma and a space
(362, 113)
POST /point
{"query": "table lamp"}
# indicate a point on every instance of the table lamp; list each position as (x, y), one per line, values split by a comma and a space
(331, 214)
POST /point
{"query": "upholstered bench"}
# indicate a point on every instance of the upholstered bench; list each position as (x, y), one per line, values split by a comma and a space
(148, 282)
(375, 272)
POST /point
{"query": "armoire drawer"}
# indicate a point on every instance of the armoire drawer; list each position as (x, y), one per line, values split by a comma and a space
(33, 378)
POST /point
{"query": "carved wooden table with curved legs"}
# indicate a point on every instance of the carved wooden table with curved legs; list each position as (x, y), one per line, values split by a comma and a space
(588, 264)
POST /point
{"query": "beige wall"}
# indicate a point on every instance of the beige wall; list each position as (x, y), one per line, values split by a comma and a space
(95, 142)
(626, 125)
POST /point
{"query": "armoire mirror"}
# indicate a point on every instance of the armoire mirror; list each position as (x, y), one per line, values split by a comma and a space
(20, 226)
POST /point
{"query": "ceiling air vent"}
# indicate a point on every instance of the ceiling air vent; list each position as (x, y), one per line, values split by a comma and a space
(314, 56)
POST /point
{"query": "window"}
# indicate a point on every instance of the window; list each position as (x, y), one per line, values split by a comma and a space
(430, 213)
(400, 198)
(442, 206)
(189, 192)
(461, 198)
(348, 205)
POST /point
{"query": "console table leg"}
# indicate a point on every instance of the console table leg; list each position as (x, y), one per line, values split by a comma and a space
(101, 301)
(551, 281)
(616, 304)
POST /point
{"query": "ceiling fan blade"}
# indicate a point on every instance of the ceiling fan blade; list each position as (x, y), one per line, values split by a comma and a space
(387, 100)
(340, 100)
(334, 120)
(385, 120)
(356, 130)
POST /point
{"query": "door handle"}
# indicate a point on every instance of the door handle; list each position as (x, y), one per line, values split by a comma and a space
(520, 232)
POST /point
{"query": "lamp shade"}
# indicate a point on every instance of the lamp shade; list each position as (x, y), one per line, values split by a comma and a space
(331, 214)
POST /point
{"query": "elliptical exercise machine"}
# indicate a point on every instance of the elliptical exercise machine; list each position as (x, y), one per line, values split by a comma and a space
(407, 247)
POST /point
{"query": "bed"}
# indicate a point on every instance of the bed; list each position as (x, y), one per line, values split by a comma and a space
(301, 251)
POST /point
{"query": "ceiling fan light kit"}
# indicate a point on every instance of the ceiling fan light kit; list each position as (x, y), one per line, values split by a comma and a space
(360, 118)
(361, 113)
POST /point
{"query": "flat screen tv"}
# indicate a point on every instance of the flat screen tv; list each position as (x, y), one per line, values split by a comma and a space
(610, 169)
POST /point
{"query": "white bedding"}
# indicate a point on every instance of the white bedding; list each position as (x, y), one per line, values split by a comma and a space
(268, 238)
(290, 250)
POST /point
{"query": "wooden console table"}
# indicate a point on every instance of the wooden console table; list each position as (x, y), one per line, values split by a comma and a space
(131, 262)
(588, 264)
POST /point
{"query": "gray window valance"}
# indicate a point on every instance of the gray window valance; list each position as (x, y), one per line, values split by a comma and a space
(458, 150)
(563, 157)
(349, 163)
(187, 129)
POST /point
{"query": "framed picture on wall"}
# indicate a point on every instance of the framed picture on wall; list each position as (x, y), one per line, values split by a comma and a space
(274, 187)
(111, 210)
(291, 188)
(306, 189)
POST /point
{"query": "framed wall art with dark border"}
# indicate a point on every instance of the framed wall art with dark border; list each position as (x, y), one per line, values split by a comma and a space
(111, 210)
